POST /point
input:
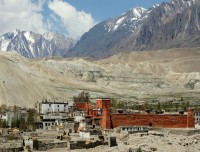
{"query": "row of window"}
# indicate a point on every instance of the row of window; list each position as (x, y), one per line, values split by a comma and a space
(197, 114)
(54, 110)
(48, 124)
(132, 129)
(197, 119)
(57, 105)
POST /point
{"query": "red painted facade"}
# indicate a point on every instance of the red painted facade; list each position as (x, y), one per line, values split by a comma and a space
(83, 105)
(153, 120)
(109, 120)
(103, 103)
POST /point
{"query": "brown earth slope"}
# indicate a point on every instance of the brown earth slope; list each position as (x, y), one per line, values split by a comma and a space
(125, 76)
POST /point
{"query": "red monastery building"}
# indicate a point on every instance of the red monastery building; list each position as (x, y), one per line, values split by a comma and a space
(110, 120)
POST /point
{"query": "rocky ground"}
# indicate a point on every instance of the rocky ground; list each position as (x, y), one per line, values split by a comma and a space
(154, 141)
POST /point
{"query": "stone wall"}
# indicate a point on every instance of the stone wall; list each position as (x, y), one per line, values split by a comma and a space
(18, 149)
(43, 146)
(84, 144)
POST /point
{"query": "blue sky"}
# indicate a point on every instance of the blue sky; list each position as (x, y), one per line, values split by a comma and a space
(104, 9)
(71, 18)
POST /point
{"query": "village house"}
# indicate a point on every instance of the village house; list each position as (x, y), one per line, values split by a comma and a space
(52, 107)
(197, 117)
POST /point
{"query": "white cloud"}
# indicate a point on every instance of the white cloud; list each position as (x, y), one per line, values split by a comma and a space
(27, 15)
(21, 14)
(76, 22)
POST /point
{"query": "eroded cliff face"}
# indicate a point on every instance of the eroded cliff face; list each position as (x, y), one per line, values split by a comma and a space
(126, 76)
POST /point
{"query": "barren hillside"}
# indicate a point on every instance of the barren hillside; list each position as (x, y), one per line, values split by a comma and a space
(126, 76)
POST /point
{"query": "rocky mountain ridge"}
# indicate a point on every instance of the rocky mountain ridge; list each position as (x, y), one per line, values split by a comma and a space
(34, 45)
(168, 25)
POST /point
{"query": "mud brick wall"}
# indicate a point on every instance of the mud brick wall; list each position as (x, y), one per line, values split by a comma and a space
(190, 119)
(93, 113)
(106, 119)
(154, 120)
(83, 106)
(80, 106)
(103, 103)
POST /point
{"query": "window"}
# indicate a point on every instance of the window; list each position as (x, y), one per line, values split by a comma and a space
(49, 105)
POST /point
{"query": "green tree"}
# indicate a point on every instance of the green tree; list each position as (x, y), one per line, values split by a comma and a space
(146, 106)
(31, 115)
(113, 103)
(22, 124)
(14, 123)
(82, 97)
(159, 106)
(184, 105)
(15, 108)
(4, 108)
(139, 150)
(2, 123)
(31, 119)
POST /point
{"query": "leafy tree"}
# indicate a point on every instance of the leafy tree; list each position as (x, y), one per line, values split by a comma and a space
(146, 106)
(113, 103)
(31, 115)
(15, 108)
(139, 150)
(2, 123)
(4, 108)
(159, 106)
(22, 124)
(185, 105)
(13, 123)
(31, 119)
(82, 97)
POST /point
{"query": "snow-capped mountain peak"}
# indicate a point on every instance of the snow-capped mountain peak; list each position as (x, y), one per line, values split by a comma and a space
(131, 19)
(29, 37)
(138, 11)
(34, 45)
(49, 35)
(15, 32)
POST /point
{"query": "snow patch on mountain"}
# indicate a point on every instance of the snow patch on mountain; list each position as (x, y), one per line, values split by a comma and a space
(34, 45)
(29, 37)
(130, 19)
(119, 21)
(137, 12)
(49, 36)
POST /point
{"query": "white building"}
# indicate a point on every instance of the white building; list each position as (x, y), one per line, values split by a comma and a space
(197, 117)
(53, 107)
(50, 120)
